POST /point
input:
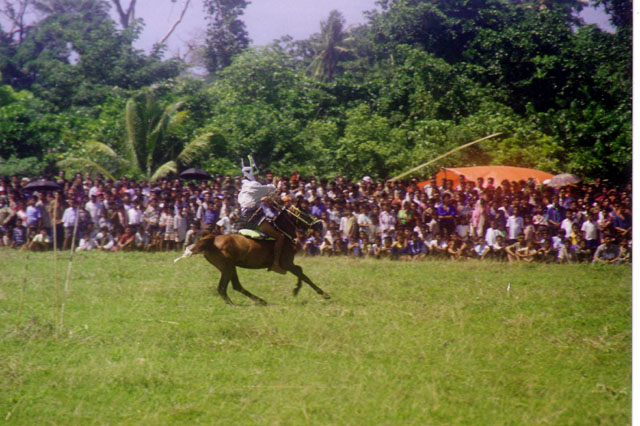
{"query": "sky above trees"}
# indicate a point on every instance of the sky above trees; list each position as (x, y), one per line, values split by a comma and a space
(267, 20)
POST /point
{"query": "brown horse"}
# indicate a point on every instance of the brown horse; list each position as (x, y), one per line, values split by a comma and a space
(226, 252)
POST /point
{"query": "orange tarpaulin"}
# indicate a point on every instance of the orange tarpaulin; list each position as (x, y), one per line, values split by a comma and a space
(498, 173)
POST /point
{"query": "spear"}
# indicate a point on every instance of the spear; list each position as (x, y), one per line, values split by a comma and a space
(415, 169)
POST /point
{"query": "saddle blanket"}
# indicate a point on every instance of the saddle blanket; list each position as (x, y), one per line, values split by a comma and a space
(255, 235)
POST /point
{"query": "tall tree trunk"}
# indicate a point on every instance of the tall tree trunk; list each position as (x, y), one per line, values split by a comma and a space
(126, 18)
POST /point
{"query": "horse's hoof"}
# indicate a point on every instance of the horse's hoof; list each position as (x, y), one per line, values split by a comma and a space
(326, 296)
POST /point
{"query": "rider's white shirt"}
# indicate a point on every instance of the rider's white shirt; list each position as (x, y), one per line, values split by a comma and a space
(252, 192)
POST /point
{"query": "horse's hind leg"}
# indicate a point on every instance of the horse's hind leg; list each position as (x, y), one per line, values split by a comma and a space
(235, 281)
(297, 271)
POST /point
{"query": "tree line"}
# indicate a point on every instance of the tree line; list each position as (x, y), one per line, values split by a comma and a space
(419, 78)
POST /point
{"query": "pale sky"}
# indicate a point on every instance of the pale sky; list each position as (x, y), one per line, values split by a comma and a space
(266, 20)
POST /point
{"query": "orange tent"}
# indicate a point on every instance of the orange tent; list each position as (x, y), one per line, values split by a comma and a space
(498, 173)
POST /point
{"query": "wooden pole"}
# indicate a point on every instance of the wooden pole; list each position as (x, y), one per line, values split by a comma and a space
(415, 169)
(24, 285)
(55, 259)
(66, 283)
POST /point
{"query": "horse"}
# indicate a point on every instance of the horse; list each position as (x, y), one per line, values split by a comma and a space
(228, 252)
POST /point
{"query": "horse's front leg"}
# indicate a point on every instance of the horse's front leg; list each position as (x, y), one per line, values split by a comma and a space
(297, 271)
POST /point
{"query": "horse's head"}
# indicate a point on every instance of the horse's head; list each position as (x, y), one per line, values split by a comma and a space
(303, 220)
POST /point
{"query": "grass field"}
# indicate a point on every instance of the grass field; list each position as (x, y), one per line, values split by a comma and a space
(149, 342)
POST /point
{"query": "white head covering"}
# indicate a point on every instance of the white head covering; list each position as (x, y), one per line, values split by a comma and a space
(247, 171)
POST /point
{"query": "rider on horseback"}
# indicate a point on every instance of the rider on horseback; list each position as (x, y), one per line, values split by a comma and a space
(254, 199)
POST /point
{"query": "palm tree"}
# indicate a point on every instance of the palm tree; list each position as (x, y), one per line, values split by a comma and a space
(147, 149)
(332, 35)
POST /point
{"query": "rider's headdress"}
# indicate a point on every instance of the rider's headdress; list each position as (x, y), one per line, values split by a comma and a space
(248, 171)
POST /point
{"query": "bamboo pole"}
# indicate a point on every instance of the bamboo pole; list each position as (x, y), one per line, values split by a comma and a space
(415, 169)
(66, 283)
(22, 289)
(55, 260)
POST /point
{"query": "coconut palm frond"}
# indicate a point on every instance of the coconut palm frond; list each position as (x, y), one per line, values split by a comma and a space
(167, 117)
(102, 148)
(194, 149)
(160, 131)
(152, 108)
(178, 118)
(165, 169)
(84, 164)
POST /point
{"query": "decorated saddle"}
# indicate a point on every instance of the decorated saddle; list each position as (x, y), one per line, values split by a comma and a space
(255, 235)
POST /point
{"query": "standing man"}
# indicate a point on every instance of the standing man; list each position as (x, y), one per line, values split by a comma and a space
(68, 222)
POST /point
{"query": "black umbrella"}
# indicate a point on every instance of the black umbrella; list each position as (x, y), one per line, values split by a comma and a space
(195, 174)
(42, 185)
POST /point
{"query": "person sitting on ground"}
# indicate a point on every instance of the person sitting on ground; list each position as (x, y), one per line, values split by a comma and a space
(105, 240)
(498, 249)
(126, 242)
(375, 247)
(481, 249)
(456, 248)
(512, 249)
(387, 250)
(399, 247)
(366, 246)
(547, 253)
(528, 253)
(625, 252)
(141, 240)
(416, 248)
(326, 248)
(41, 241)
(190, 236)
(311, 246)
(607, 252)
(439, 245)
(584, 253)
(88, 240)
(567, 254)
(353, 247)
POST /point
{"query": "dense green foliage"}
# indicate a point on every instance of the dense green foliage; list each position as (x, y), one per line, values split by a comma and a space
(420, 78)
(149, 342)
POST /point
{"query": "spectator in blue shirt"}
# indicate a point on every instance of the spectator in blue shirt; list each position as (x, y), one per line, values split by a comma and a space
(210, 216)
(19, 234)
(555, 213)
(447, 214)
(416, 248)
(318, 207)
(33, 214)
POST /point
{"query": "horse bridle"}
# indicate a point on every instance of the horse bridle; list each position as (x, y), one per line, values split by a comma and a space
(308, 220)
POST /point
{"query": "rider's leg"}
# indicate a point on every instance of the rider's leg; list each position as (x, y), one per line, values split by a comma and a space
(268, 229)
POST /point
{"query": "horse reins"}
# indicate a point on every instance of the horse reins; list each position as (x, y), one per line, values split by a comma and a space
(298, 214)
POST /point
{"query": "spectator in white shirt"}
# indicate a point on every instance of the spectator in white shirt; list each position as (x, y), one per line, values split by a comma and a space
(515, 225)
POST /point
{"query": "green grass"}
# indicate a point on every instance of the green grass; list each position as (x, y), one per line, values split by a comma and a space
(149, 342)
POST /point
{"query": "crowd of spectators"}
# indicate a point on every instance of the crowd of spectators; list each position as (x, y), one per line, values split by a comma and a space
(506, 221)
